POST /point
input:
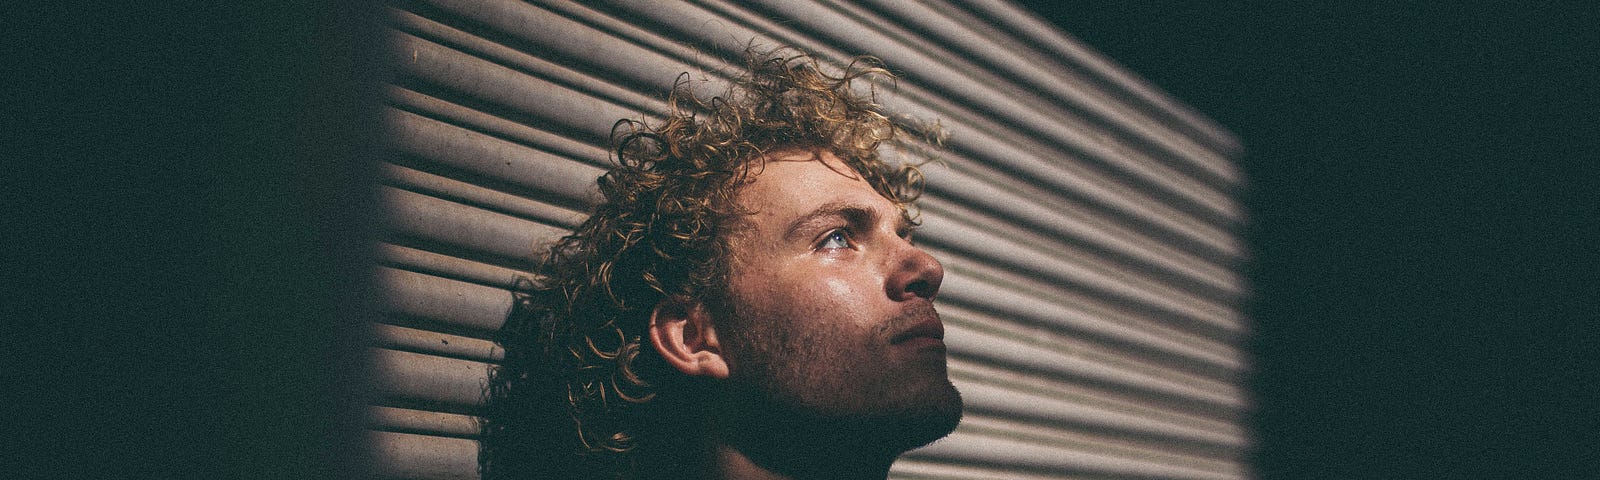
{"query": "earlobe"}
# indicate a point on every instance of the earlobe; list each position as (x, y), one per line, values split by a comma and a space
(682, 333)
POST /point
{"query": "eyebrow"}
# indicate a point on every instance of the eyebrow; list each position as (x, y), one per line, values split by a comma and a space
(853, 213)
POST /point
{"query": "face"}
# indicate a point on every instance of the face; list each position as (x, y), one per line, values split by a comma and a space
(830, 305)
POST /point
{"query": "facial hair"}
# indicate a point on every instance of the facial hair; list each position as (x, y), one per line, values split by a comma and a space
(835, 385)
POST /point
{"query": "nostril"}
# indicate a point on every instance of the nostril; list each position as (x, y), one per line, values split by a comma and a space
(920, 288)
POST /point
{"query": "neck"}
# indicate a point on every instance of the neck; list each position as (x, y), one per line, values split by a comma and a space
(748, 440)
(725, 461)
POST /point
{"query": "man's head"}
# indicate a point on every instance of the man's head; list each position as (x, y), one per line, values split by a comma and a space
(750, 271)
(828, 333)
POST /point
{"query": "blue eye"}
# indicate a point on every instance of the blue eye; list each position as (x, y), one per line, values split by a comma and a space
(835, 239)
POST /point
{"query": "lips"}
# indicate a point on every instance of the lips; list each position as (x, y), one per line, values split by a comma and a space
(930, 328)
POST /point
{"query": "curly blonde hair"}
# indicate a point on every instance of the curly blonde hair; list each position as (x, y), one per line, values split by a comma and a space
(580, 388)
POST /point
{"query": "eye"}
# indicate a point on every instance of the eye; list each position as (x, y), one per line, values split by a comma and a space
(834, 240)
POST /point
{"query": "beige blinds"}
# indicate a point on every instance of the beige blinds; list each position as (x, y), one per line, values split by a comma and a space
(1086, 221)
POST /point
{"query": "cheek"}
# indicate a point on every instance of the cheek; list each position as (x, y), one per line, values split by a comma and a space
(828, 297)
(812, 295)
(849, 301)
(838, 288)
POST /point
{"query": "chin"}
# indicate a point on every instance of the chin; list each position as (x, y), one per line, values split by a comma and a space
(944, 418)
(873, 424)
(932, 417)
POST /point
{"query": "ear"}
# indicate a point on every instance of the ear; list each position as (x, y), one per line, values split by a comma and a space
(682, 333)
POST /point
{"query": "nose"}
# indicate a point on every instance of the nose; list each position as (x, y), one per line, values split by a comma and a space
(914, 273)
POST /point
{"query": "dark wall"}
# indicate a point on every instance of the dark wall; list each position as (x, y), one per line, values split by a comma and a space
(180, 188)
(1424, 210)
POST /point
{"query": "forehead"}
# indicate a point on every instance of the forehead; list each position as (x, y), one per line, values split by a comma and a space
(795, 182)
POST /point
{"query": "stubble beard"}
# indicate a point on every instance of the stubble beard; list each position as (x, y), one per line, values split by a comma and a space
(834, 390)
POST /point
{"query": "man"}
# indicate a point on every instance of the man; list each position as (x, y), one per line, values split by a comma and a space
(745, 303)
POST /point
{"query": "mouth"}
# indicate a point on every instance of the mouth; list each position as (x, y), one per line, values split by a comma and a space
(927, 331)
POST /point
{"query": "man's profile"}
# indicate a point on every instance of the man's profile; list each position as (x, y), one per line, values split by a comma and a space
(745, 302)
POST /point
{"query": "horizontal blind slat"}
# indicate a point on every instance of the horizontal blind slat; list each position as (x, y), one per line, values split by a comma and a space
(412, 456)
(467, 306)
(408, 377)
(394, 337)
(422, 422)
